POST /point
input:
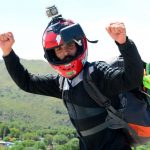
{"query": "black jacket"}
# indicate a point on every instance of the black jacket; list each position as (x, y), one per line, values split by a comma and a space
(83, 111)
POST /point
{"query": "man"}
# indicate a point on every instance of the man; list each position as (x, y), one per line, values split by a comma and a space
(69, 60)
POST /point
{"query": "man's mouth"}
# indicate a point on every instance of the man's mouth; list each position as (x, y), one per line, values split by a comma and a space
(68, 58)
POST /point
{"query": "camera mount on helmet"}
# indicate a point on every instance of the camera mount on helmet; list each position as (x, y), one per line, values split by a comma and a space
(51, 11)
(69, 33)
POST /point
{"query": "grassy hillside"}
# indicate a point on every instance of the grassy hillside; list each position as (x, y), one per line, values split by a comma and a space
(17, 105)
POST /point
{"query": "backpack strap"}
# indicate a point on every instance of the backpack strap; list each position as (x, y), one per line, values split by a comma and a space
(61, 82)
(94, 92)
(103, 101)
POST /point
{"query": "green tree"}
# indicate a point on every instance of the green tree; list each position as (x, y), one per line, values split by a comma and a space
(28, 143)
(39, 146)
(74, 144)
(63, 147)
(4, 130)
(14, 132)
(30, 136)
(143, 147)
(69, 132)
(9, 138)
(48, 139)
(60, 139)
(17, 146)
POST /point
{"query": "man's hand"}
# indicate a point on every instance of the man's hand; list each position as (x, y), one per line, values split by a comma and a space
(6, 42)
(117, 31)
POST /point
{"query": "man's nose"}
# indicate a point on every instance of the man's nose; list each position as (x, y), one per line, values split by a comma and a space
(66, 53)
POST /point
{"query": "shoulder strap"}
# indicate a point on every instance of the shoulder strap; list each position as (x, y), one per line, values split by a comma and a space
(95, 94)
(92, 90)
(103, 101)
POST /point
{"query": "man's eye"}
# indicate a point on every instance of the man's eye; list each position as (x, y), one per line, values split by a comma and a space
(58, 49)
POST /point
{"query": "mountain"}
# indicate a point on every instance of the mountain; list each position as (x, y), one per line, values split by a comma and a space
(36, 110)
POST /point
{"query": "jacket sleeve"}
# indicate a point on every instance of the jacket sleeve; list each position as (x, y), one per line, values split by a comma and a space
(38, 84)
(114, 80)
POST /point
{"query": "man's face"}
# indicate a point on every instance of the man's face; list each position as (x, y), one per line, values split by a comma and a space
(65, 51)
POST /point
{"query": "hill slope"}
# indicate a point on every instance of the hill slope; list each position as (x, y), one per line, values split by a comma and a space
(17, 105)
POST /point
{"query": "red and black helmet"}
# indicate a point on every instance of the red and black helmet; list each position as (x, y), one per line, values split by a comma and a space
(52, 38)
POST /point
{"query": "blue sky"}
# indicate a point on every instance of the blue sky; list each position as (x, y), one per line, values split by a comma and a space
(27, 20)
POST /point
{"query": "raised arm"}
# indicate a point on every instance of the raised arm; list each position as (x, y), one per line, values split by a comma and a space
(116, 80)
(38, 84)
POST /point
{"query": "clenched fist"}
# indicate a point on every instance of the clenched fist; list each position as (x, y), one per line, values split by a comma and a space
(117, 31)
(6, 42)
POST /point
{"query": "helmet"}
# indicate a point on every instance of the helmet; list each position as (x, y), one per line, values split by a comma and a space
(52, 39)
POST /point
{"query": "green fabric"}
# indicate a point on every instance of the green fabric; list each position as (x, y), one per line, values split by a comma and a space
(146, 81)
(146, 78)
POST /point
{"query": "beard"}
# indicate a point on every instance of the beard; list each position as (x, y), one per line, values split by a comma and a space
(67, 58)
